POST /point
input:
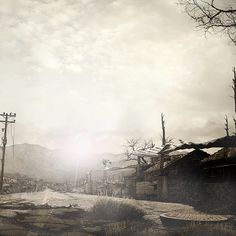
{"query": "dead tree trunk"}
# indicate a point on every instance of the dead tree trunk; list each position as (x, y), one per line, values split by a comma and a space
(163, 141)
(163, 130)
(162, 155)
(226, 125)
(234, 126)
(234, 96)
(234, 87)
(138, 166)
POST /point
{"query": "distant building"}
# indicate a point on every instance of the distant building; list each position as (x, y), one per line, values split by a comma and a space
(110, 182)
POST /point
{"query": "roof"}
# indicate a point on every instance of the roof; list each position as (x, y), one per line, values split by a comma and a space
(227, 141)
(198, 153)
(122, 168)
(224, 153)
(153, 168)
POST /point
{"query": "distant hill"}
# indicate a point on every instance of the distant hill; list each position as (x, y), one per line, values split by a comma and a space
(42, 163)
(37, 162)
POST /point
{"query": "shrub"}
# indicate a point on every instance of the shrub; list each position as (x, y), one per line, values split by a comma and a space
(109, 209)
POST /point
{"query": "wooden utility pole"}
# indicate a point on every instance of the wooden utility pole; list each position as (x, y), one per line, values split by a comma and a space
(7, 118)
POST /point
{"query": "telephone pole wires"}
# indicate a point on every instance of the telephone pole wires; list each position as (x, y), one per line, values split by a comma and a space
(7, 118)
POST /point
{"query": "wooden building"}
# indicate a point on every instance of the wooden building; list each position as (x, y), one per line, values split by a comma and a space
(219, 182)
(179, 181)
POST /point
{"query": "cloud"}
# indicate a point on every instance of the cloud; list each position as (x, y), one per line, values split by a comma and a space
(111, 68)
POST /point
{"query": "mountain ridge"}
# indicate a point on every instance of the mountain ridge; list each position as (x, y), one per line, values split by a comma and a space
(55, 165)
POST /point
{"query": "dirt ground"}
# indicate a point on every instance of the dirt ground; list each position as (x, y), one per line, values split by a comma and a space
(53, 213)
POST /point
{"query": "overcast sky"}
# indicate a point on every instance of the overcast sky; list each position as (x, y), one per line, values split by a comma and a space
(89, 74)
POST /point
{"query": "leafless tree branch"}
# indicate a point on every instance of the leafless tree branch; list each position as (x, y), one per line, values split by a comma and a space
(135, 145)
(210, 17)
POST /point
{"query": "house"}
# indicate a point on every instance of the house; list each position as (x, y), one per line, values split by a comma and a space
(220, 181)
(178, 181)
(108, 181)
(130, 185)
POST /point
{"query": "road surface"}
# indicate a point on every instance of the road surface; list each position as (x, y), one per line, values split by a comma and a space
(54, 213)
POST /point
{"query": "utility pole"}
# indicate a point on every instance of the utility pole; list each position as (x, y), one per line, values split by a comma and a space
(7, 118)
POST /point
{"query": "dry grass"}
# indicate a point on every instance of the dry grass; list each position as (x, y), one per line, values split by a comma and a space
(130, 229)
(108, 209)
(194, 230)
(209, 230)
(126, 219)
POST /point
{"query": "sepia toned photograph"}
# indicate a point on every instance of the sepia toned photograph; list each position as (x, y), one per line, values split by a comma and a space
(118, 118)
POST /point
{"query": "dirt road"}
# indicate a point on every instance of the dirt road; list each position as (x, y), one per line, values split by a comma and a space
(54, 213)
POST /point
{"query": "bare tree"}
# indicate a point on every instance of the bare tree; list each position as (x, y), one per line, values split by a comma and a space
(105, 163)
(135, 149)
(163, 130)
(234, 95)
(166, 143)
(212, 18)
(234, 88)
(226, 125)
(163, 141)
(234, 125)
(135, 145)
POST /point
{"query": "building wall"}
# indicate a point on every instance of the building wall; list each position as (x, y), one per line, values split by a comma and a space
(145, 189)
(184, 190)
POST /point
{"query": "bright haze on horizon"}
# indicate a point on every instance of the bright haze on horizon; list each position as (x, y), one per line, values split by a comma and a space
(87, 75)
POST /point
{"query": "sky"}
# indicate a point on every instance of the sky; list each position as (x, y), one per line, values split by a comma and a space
(86, 75)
